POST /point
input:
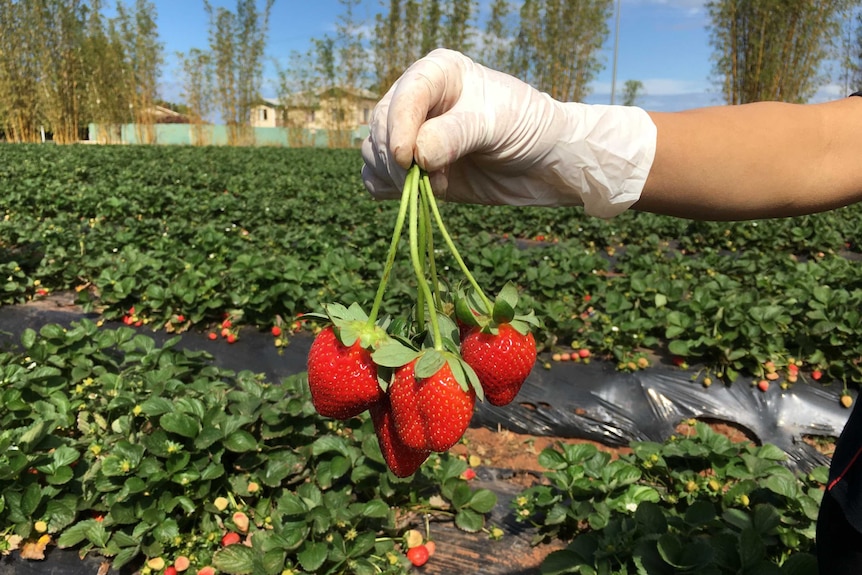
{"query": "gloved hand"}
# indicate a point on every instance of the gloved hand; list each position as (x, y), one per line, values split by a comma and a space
(488, 138)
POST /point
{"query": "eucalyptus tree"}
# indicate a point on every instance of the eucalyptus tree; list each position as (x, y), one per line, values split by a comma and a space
(773, 49)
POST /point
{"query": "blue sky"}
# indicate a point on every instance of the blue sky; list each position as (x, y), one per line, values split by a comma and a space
(663, 43)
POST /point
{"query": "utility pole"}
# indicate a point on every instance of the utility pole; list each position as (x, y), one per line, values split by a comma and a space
(616, 52)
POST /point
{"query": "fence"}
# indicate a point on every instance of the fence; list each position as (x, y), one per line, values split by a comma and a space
(214, 135)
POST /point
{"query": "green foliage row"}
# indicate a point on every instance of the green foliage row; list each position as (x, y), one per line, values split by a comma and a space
(697, 503)
(112, 445)
(270, 233)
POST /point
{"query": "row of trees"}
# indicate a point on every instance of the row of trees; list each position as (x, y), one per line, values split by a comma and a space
(64, 63)
(763, 50)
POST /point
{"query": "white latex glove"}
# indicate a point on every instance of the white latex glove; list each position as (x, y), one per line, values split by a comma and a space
(488, 138)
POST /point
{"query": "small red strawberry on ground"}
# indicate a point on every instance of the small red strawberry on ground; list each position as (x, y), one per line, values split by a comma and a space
(403, 461)
(501, 360)
(170, 570)
(763, 385)
(342, 379)
(432, 412)
(418, 555)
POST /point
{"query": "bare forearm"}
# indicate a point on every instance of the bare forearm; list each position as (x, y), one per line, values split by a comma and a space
(760, 160)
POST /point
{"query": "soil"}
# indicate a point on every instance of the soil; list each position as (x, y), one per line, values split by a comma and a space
(502, 448)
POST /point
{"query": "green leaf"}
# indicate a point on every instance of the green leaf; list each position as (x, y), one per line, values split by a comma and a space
(74, 534)
(469, 521)
(312, 555)
(31, 499)
(181, 424)
(240, 441)
(393, 353)
(375, 508)
(483, 501)
(28, 338)
(234, 559)
(678, 347)
(429, 363)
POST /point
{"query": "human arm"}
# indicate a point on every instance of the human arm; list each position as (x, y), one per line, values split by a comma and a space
(759, 160)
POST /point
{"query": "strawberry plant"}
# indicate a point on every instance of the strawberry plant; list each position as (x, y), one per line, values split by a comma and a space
(194, 231)
(696, 503)
(154, 458)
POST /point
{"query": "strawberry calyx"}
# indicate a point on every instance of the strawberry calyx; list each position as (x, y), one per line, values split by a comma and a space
(471, 313)
(351, 324)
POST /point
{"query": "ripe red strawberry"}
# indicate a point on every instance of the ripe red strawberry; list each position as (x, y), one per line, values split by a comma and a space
(418, 555)
(502, 361)
(403, 461)
(431, 413)
(342, 380)
(230, 538)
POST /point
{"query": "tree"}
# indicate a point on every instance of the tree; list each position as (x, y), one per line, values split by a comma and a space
(59, 27)
(107, 104)
(632, 89)
(773, 49)
(19, 73)
(457, 32)
(496, 41)
(297, 88)
(144, 60)
(406, 32)
(237, 43)
(557, 45)
(855, 63)
(197, 91)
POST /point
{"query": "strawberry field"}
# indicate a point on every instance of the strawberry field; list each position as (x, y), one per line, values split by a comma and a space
(150, 455)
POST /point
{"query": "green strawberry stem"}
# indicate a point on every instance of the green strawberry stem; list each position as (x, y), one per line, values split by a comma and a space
(409, 185)
(425, 215)
(425, 184)
(418, 269)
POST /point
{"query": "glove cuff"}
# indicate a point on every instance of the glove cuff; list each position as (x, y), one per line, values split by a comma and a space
(604, 155)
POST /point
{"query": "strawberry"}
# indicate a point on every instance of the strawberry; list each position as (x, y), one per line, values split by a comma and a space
(342, 379)
(418, 555)
(430, 413)
(763, 385)
(502, 360)
(230, 538)
(403, 461)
